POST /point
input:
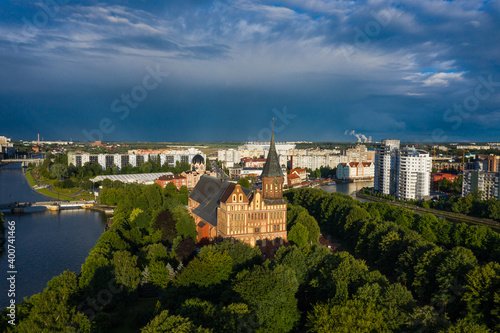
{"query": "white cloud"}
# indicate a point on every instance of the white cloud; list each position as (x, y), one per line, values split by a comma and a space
(442, 79)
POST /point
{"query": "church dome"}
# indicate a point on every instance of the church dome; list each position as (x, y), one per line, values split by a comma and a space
(198, 159)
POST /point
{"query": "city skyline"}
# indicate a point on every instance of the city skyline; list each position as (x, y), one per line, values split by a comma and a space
(202, 71)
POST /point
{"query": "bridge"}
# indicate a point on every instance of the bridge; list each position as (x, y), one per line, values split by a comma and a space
(24, 161)
(22, 207)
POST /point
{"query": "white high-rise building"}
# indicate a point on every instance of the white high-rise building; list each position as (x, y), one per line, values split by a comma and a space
(413, 173)
(402, 172)
(385, 166)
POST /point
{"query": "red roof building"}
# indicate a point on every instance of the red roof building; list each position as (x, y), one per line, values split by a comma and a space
(437, 177)
(177, 180)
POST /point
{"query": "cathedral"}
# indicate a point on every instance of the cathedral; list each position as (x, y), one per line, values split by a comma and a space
(224, 209)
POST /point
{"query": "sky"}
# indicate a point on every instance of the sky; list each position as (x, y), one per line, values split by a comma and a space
(421, 71)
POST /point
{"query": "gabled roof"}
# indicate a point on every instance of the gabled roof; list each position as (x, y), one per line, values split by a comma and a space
(205, 186)
(208, 192)
(230, 189)
(272, 167)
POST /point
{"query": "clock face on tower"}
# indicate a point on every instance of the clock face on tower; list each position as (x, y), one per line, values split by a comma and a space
(276, 182)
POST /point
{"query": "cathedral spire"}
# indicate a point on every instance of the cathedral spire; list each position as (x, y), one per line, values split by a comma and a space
(272, 167)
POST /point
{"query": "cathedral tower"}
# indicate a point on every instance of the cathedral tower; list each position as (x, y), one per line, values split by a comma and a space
(272, 176)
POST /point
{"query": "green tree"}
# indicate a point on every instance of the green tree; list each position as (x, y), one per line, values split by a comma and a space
(59, 171)
(482, 294)
(158, 273)
(165, 223)
(170, 190)
(242, 254)
(184, 248)
(299, 235)
(293, 257)
(270, 295)
(86, 185)
(107, 183)
(466, 326)
(451, 275)
(352, 316)
(125, 269)
(244, 182)
(312, 226)
(184, 195)
(174, 324)
(427, 319)
(209, 268)
(53, 309)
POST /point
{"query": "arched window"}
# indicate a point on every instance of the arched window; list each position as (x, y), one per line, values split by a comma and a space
(241, 198)
(234, 197)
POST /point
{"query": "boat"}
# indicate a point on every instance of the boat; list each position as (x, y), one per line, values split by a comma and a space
(330, 184)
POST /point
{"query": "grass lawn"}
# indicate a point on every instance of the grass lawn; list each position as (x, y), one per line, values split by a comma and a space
(54, 195)
(85, 195)
(31, 181)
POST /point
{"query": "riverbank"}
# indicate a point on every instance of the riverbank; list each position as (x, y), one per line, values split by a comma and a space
(47, 242)
(48, 192)
(454, 217)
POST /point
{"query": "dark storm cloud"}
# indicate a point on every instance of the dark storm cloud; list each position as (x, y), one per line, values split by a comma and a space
(387, 68)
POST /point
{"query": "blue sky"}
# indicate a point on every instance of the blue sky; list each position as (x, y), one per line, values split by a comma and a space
(210, 71)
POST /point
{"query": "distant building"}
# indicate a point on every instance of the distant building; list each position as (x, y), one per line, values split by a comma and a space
(6, 147)
(493, 163)
(198, 169)
(437, 177)
(224, 209)
(177, 180)
(293, 179)
(251, 172)
(356, 171)
(359, 154)
(235, 172)
(97, 144)
(170, 158)
(485, 181)
(301, 173)
(253, 162)
(259, 145)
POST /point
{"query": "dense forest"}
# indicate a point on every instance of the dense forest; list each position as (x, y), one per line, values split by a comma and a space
(145, 274)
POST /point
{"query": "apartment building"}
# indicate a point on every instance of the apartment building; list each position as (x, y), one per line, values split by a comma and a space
(486, 182)
(135, 160)
(385, 166)
(402, 172)
(413, 173)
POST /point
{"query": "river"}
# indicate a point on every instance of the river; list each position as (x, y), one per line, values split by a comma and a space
(46, 243)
